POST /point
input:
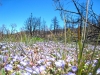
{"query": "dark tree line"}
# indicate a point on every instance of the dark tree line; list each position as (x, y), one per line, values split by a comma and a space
(35, 27)
(31, 24)
(55, 25)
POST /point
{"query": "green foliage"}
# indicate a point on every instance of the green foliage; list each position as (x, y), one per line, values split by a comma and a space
(37, 39)
(69, 35)
(30, 40)
(2, 72)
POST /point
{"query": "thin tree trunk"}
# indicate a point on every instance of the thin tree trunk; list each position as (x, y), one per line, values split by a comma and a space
(84, 35)
(65, 27)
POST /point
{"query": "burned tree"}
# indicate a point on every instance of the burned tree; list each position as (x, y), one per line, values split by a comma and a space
(28, 25)
(31, 24)
(55, 25)
(43, 27)
(83, 17)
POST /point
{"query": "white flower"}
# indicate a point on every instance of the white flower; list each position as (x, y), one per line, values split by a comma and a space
(48, 63)
(69, 59)
(23, 63)
(3, 47)
(19, 66)
(50, 59)
(36, 69)
(40, 61)
(11, 62)
(21, 58)
(42, 68)
(34, 72)
(98, 71)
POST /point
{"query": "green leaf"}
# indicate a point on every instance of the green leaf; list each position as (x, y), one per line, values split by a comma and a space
(2, 71)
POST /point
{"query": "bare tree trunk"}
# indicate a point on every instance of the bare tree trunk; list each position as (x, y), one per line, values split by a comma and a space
(84, 33)
(65, 27)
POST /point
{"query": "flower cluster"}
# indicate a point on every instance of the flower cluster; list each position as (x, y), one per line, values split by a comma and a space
(40, 58)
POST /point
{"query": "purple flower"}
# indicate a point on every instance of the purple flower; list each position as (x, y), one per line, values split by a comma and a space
(5, 58)
(15, 58)
(70, 73)
(60, 63)
(39, 69)
(88, 62)
(9, 67)
(28, 69)
(74, 68)
(95, 61)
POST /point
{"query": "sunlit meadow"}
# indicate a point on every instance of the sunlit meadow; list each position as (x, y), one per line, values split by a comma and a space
(21, 54)
(36, 56)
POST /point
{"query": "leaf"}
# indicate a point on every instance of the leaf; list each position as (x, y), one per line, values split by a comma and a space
(2, 72)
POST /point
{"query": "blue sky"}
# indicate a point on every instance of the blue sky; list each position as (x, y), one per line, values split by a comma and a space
(17, 11)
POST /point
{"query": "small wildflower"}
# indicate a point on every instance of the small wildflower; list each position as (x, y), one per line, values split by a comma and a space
(27, 73)
(48, 63)
(39, 69)
(5, 58)
(69, 59)
(23, 63)
(36, 69)
(28, 69)
(19, 66)
(95, 61)
(90, 73)
(88, 62)
(34, 72)
(15, 58)
(74, 68)
(98, 71)
(40, 61)
(70, 73)
(9, 67)
(3, 47)
(42, 68)
(60, 63)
